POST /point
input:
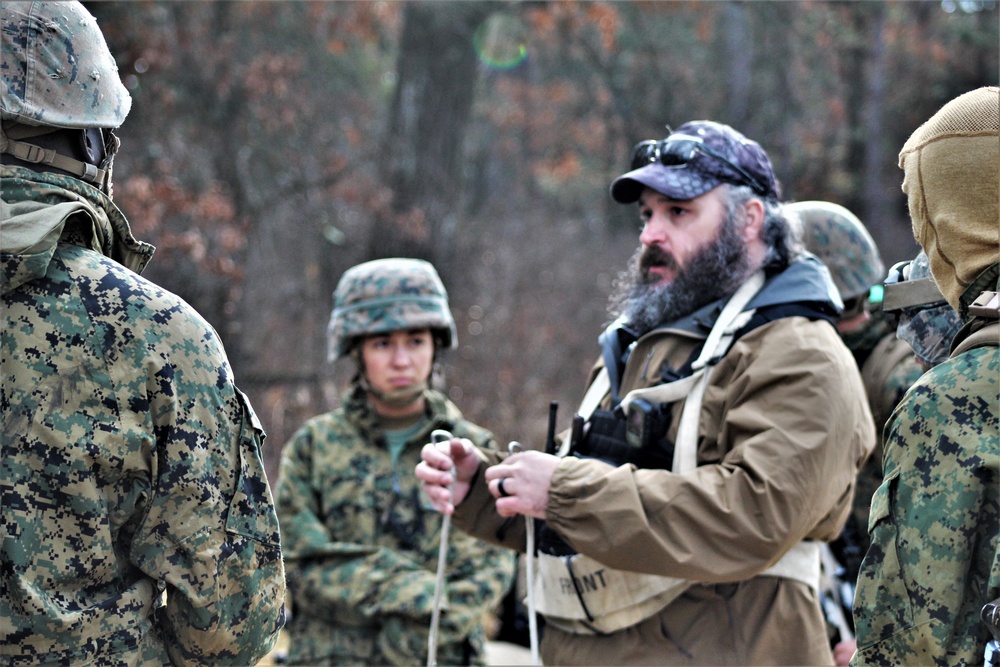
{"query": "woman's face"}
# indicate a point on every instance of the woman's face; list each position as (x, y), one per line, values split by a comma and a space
(397, 361)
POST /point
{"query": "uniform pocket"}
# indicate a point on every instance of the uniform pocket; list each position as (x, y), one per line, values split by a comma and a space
(882, 607)
(251, 512)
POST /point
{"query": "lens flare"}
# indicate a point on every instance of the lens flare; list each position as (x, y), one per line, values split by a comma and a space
(500, 42)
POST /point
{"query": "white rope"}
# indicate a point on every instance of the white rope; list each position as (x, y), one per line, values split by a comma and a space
(529, 561)
(439, 583)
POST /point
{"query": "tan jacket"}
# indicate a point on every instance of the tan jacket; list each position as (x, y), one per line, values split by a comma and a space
(784, 427)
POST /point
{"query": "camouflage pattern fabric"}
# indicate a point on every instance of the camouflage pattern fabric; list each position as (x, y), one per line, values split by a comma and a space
(57, 70)
(137, 525)
(934, 560)
(888, 370)
(386, 295)
(704, 171)
(361, 545)
(887, 376)
(929, 331)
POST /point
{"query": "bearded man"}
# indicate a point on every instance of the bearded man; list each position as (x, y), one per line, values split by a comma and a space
(717, 443)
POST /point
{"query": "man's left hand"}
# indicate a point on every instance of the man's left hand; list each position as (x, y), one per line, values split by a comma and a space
(526, 478)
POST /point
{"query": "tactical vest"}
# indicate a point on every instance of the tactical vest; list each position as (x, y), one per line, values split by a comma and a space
(579, 594)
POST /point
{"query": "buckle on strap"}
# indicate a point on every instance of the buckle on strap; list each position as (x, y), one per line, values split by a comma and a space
(30, 152)
(986, 305)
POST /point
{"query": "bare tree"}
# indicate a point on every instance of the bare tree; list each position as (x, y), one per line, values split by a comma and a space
(420, 156)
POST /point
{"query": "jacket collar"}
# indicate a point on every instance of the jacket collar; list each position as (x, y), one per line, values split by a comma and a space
(34, 211)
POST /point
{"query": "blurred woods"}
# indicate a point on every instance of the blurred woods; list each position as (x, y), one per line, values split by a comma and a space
(272, 145)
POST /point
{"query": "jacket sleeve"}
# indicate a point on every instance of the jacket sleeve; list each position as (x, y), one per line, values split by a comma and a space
(210, 535)
(789, 427)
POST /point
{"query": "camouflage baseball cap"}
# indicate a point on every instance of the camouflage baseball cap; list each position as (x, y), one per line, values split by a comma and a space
(386, 295)
(841, 241)
(692, 160)
(57, 69)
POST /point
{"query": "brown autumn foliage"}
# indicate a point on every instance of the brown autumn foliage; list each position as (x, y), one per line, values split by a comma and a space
(274, 144)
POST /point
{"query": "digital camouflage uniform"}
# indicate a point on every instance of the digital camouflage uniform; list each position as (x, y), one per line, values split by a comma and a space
(130, 464)
(934, 560)
(361, 539)
(137, 527)
(361, 545)
(928, 327)
(888, 370)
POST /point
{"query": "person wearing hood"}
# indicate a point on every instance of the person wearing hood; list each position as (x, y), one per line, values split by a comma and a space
(934, 559)
(137, 526)
(717, 443)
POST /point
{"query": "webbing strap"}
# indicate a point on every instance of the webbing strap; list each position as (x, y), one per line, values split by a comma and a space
(597, 390)
(38, 155)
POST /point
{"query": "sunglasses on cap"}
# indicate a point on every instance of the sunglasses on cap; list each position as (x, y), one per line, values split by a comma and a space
(680, 149)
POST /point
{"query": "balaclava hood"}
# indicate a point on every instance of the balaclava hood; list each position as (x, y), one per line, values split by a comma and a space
(952, 184)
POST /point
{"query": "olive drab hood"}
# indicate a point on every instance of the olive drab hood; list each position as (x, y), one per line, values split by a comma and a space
(35, 213)
(951, 164)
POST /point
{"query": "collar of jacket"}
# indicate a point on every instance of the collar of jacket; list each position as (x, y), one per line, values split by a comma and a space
(441, 413)
(805, 280)
(36, 207)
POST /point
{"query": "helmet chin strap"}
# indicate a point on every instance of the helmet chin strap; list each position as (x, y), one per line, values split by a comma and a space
(99, 177)
(397, 398)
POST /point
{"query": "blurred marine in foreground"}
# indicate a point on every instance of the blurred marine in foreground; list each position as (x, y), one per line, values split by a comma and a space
(136, 522)
(934, 559)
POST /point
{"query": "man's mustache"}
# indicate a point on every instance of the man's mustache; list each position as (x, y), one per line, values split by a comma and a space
(655, 256)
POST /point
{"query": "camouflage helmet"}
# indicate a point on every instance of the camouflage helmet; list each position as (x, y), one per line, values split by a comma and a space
(840, 240)
(386, 295)
(57, 68)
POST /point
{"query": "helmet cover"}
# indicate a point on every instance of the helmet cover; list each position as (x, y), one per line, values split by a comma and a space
(57, 69)
(386, 295)
(841, 241)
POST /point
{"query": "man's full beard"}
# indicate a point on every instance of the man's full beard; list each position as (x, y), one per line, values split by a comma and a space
(715, 271)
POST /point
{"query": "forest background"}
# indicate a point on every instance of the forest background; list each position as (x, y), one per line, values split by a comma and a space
(272, 145)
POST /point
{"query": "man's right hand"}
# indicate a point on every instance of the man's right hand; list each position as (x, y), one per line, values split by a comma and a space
(435, 472)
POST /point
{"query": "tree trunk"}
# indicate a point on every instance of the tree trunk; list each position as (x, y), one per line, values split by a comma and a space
(421, 156)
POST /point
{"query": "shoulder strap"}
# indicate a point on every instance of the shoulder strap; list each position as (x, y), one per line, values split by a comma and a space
(983, 337)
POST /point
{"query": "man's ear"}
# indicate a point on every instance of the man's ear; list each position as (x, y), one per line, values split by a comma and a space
(753, 211)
